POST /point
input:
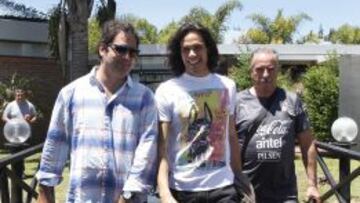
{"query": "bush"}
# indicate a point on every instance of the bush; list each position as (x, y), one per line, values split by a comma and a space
(321, 95)
(240, 72)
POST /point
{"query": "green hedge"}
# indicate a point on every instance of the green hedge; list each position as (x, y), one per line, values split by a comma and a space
(321, 95)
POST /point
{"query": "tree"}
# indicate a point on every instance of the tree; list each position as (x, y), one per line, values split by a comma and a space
(280, 30)
(24, 11)
(106, 11)
(240, 72)
(58, 36)
(166, 33)
(345, 34)
(311, 37)
(215, 22)
(321, 95)
(78, 14)
(94, 30)
(147, 32)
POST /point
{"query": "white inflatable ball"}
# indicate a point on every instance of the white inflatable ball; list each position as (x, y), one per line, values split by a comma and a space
(17, 131)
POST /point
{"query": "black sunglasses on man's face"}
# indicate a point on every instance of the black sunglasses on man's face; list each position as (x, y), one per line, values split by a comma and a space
(123, 49)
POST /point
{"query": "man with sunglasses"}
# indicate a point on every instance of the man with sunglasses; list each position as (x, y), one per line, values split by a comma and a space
(108, 124)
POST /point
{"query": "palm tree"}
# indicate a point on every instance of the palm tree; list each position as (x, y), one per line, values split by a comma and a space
(280, 30)
(215, 22)
(106, 11)
(78, 14)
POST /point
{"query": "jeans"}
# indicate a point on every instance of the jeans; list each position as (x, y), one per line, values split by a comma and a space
(269, 200)
(225, 194)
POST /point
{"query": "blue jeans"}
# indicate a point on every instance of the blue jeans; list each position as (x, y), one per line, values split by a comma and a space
(225, 194)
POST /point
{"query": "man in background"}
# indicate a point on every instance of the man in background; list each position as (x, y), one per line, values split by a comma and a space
(20, 108)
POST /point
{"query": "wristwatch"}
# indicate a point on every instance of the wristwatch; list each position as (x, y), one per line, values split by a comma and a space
(127, 195)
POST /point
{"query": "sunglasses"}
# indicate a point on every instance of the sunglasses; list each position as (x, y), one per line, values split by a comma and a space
(124, 49)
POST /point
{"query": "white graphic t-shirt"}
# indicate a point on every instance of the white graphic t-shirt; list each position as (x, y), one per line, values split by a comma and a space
(198, 110)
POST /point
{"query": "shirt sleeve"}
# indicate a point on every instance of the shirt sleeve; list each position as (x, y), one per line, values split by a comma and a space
(142, 174)
(32, 109)
(302, 122)
(56, 147)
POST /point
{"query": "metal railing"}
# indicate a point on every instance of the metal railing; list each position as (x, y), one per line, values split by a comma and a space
(342, 152)
(16, 160)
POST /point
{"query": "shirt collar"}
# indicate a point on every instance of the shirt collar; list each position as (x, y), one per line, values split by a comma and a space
(93, 81)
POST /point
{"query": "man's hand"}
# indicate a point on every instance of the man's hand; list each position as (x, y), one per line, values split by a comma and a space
(27, 117)
(46, 194)
(122, 200)
(312, 192)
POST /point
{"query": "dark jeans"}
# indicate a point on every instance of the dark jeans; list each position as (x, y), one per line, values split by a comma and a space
(225, 194)
(268, 200)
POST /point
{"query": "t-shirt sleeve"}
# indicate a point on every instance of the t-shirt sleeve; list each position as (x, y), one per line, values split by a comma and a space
(302, 122)
(7, 111)
(32, 110)
(232, 96)
(162, 104)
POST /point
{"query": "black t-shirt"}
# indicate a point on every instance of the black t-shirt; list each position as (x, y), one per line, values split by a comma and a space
(268, 158)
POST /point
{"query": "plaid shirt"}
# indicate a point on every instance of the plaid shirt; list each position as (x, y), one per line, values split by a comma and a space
(112, 141)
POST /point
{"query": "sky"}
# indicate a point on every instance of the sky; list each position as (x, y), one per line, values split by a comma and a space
(325, 13)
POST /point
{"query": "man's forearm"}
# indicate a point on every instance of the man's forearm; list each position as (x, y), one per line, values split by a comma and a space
(46, 194)
(234, 147)
(163, 173)
(309, 154)
(311, 166)
(163, 178)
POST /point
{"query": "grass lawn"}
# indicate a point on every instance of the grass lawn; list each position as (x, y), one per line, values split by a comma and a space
(32, 163)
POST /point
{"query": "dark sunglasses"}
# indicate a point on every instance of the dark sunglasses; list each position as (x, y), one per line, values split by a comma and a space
(123, 49)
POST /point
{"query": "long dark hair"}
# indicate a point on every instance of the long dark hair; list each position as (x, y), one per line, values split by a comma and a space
(174, 47)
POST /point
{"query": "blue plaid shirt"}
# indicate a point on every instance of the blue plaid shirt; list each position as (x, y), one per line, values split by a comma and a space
(112, 142)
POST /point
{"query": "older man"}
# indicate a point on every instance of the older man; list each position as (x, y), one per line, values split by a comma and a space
(269, 120)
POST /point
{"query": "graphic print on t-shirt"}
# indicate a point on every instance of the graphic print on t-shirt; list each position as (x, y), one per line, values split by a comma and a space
(268, 140)
(203, 132)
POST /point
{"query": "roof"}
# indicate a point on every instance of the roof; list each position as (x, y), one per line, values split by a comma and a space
(23, 31)
(287, 52)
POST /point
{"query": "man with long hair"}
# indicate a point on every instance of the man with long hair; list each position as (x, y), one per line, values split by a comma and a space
(198, 146)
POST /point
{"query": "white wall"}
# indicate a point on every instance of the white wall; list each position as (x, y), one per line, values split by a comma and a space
(349, 101)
